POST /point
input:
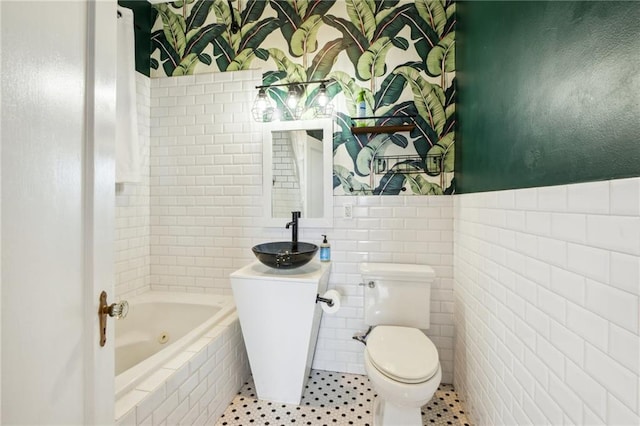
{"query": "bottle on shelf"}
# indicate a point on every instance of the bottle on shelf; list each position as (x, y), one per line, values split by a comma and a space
(362, 108)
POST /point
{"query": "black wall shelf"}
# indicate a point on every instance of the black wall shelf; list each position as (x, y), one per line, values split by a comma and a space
(382, 129)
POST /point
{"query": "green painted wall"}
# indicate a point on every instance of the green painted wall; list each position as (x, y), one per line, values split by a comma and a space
(548, 93)
(143, 16)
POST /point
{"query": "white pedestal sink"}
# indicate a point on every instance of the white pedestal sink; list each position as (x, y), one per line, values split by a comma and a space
(280, 319)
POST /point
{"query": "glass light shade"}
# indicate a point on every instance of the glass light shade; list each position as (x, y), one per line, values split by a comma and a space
(293, 97)
(324, 111)
(293, 113)
(322, 100)
(294, 106)
(262, 110)
(322, 107)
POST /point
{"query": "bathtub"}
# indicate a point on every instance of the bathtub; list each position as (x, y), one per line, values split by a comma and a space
(158, 328)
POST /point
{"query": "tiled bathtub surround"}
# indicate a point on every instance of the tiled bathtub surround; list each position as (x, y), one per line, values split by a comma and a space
(206, 205)
(195, 387)
(547, 285)
(132, 210)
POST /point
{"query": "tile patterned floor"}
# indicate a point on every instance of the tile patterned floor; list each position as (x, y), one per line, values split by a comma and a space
(334, 399)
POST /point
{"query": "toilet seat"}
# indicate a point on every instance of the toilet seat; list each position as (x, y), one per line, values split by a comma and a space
(403, 354)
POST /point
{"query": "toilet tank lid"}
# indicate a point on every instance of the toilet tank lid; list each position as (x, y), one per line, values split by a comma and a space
(396, 270)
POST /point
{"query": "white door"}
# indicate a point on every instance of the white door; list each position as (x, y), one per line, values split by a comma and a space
(58, 127)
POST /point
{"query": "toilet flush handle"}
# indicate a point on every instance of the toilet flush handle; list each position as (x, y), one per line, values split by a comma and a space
(370, 284)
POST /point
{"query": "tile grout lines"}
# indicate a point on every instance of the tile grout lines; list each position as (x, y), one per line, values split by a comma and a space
(333, 399)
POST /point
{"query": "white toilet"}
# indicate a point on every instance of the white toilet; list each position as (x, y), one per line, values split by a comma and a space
(401, 362)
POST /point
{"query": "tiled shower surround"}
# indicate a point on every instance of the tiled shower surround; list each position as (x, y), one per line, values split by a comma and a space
(132, 209)
(547, 288)
(546, 278)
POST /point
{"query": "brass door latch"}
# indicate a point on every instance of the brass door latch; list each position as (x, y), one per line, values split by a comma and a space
(117, 310)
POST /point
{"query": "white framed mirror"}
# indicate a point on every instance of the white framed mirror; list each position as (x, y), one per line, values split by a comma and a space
(298, 171)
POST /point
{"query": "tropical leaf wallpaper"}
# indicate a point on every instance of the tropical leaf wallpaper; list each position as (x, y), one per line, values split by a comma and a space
(400, 54)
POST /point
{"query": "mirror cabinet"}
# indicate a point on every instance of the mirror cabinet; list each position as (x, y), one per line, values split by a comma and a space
(297, 172)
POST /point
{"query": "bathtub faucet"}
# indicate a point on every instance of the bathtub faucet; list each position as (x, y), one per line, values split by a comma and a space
(294, 228)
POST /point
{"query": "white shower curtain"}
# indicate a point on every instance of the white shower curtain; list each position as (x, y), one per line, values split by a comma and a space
(127, 146)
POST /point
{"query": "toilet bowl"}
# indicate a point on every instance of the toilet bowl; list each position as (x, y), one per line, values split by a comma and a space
(403, 367)
(400, 360)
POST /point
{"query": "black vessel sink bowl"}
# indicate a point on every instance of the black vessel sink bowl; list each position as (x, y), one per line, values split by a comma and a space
(285, 254)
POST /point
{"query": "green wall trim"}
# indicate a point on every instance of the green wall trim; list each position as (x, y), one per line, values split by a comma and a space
(548, 93)
(143, 17)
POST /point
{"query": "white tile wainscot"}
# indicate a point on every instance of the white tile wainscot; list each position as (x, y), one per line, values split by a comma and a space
(193, 388)
(206, 209)
(547, 287)
(402, 229)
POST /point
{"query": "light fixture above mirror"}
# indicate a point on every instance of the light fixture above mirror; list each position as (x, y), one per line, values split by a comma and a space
(293, 103)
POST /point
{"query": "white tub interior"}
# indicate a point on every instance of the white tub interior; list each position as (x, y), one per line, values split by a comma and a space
(159, 326)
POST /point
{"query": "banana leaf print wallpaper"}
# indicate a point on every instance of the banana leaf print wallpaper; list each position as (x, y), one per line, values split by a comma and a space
(400, 54)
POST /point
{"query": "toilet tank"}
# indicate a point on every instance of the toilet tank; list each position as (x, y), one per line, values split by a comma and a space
(397, 294)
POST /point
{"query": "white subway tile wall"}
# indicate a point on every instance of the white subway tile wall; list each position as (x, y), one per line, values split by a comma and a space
(206, 179)
(547, 288)
(547, 279)
(206, 205)
(404, 230)
(132, 210)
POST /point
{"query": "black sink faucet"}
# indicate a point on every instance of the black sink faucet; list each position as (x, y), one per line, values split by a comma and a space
(294, 226)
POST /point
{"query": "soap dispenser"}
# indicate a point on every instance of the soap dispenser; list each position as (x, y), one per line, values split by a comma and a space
(325, 250)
